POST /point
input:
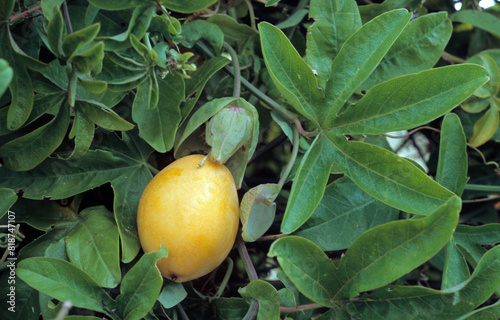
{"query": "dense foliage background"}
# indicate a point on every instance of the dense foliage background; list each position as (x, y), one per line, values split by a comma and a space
(363, 138)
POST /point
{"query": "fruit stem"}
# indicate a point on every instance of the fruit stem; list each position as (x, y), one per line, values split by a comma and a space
(247, 260)
(236, 70)
(295, 151)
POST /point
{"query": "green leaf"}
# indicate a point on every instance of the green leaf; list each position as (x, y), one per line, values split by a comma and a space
(82, 132)
(116, 5)
(257, 210)
(334, 23)
(103, 116)
(233, 31)
(399, 246)
(93, 86)
(26, 305)
(137, 26)
(172, 294)
(473, 239)
(158, 126)
(267, 296)
(418, 48)
(55, 30)
(289, 72)
(452, 164)
(400, 302)
(388, 177)
(485, 127)
(198, 80)
(76, 40)
(30, 150)
(93, 246)
(6, 74)
(409, 101)
(6, 9)
(308, 268)
(48, 7)
(309, 184)
(491, 312)
(89, 59)
(7, 198)
(21, 88)
(140, 287)
(482, 19)
(230, 308)
(455, 267)
(343, 214)
(59, 179)
(201, 29)
(187, 6)
(370, 11)
(189, 141)
(63, 281)
(359, 56)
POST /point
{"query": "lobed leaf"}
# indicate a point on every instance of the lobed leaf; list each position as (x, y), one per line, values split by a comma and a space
(63, 281)
(140, 287)
(452, 163)
(309, 184)
(76, 40)
(418, 48)
(409, 101)
(359, 56)
(158, 126)
(388, 177)
(334, 23)
(93, 246)
(343, 214)
(308, 268)
(103, 116)
(399, 302)
(30, 150)
(398, 246)
(289, 72)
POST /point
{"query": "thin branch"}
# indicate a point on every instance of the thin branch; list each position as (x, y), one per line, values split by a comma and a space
(272, 237)
(251, 14)
(411, 132)
(67, 20)
(247, 260)
(451, 58)
(26, 13)
(304, 307)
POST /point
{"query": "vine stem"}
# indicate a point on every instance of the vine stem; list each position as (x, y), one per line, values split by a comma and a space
(251, 13)
(26, 13)
(66, 17)
(236, 70)
(289, 116)
(247, 260)
(303, 307)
